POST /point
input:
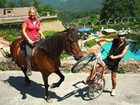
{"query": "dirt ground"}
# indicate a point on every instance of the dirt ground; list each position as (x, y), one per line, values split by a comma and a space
(15, 92)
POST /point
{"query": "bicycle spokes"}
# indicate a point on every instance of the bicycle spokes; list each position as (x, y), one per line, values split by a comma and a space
(96, 86)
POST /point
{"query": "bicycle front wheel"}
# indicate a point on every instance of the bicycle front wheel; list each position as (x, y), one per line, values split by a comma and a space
(82, 63)
(96, 87)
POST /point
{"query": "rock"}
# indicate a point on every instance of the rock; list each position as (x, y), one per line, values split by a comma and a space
(131, 65)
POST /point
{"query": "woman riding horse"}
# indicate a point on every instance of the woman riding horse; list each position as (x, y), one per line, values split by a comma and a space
(31, 34)
(47, 57)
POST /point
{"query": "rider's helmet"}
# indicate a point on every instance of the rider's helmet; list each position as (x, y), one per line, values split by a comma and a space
(122, 33)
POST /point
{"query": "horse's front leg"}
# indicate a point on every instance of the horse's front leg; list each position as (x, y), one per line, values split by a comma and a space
(60, 81)
(45, 79)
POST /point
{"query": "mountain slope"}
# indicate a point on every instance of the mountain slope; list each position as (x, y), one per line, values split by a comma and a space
(65, 5)
(74, 5)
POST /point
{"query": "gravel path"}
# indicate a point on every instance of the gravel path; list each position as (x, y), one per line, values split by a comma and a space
(13, 91)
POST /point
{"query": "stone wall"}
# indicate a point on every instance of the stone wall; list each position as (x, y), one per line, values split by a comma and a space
(131, 65)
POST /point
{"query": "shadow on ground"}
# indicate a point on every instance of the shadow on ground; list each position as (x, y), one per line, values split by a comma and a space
(80, 92)
(38, 90)
(34, 89)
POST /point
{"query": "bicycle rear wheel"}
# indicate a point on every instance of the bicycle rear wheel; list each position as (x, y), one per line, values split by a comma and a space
(82, 63)
(96, 87)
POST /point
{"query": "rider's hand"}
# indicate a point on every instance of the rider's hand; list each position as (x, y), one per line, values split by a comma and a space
(112, 57)
(31, 42)
(42, 37)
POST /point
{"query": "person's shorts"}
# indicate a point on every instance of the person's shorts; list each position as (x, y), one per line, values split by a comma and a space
(111, 65)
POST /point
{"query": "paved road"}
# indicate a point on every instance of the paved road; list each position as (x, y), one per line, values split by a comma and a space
(13, 91)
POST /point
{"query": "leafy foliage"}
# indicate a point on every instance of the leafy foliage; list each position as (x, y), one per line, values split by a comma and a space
(74, 5)
(78, 17)
(42, 8)
(90, 43)
(2, 3)
(118, 8)
(48, 33)
(122, 70)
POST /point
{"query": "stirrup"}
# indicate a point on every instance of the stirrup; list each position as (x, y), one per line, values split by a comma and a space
(28, 72)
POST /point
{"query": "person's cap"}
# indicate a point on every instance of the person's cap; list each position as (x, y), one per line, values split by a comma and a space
(121, 33)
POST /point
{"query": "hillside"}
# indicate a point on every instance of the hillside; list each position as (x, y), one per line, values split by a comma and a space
(64, 5)
(74, 5)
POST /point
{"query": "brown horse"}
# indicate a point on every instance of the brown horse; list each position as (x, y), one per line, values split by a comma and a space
(47, 59)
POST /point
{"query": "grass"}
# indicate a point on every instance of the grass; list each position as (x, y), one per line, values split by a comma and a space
(48, 33)
(92, 42)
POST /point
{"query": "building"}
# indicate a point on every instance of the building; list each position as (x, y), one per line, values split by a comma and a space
(13, 15)
(17, 15)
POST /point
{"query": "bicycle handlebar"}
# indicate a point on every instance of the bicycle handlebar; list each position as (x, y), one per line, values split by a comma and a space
(102, 48)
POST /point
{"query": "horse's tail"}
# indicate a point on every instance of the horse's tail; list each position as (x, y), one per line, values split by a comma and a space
(6, 54)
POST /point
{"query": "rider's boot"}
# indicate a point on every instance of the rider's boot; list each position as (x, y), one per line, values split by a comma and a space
(28, 72)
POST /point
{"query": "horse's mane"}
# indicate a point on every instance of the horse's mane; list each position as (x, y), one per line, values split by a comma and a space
(52, 43)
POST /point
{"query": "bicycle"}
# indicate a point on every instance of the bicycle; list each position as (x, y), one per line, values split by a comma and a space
(96, 80)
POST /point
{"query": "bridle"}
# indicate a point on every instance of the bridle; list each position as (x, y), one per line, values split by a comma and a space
(68, 42)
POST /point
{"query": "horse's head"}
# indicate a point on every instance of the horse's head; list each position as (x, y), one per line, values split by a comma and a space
(71, 44)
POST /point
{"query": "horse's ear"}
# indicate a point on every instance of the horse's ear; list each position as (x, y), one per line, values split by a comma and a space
(72, 28)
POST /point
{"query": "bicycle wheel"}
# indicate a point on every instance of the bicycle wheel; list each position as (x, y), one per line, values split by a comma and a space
(83, 62)
(96, 87)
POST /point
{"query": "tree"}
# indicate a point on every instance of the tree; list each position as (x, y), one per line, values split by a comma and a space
(137, 9)
(24, 3)
(2, 3)
(124, 8)
(11, 4)
(36, 4)
(42, 9)
(136, 27)
(118, 8)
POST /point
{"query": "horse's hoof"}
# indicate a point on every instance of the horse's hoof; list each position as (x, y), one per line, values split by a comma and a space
(54, 85)
(29, 72)
(49, 100)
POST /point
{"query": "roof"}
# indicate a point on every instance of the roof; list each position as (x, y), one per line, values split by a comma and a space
(12, 15)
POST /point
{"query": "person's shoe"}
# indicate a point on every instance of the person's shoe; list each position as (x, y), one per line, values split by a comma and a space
(28, 72)
(113, 92)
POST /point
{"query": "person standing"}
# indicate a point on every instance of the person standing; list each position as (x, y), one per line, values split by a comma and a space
(118, 49)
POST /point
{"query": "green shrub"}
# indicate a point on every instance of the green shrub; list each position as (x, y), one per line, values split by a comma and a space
(48, 33)
(122, 70)
(64, 55)
(90, 43)
(109, 36)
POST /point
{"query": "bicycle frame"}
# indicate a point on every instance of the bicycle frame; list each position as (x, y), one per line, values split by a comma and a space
(96, 80)
(98, 60)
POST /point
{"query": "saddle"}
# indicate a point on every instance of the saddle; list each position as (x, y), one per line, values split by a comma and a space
(33, 52)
